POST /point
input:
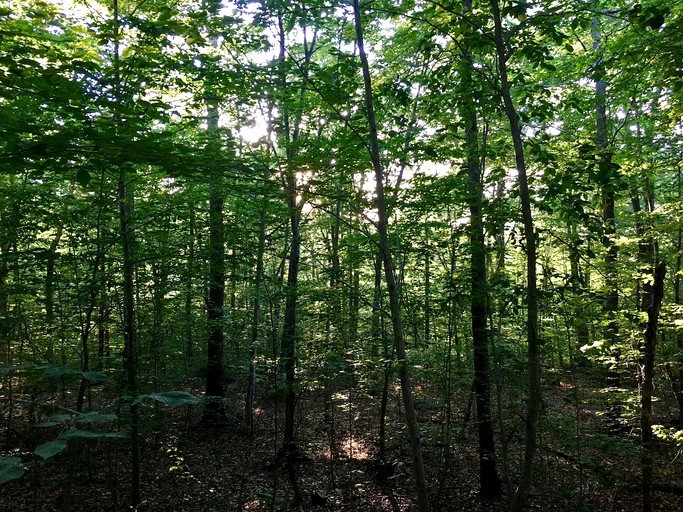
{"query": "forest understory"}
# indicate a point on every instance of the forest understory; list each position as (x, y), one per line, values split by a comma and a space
(462, 217)
(588, 458)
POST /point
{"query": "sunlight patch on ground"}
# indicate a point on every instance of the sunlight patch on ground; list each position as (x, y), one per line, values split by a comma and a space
(355, 448)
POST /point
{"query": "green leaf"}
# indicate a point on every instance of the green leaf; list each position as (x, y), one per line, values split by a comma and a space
(95, 376)
(166, 15)
(6, 369)
(171, 398)
(56, 419)
(75, 433)
(50, 449)
(431, 152)
(83, 177)
(10, 469)
(96, 417)
(58, 371)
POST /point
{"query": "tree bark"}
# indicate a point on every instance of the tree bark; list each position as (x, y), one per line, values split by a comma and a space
(488, 475)
(255, 319)
(607, 196)
(291, 131)
(533, 346)
(649, 349)
(382, 228)
(125, 200)
(214, 408)
(579, 322)
(189, 316)
(50, 278)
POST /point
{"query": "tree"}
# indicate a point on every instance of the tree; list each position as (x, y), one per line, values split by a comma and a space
(652, 307)
(392, 290)
(214, 412)
(533, 342)
(488, 476)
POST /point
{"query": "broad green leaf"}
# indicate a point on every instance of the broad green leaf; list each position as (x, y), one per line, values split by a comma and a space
(95, 376)
(10, 469)
(171, 398)
(128, 51)
(58, 371)
(83, 177)
(75, 433)
(6, 369)
(50, 449)
(96, 417)
(55, 419)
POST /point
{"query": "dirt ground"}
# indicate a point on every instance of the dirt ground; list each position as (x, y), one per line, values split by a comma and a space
(591, 464)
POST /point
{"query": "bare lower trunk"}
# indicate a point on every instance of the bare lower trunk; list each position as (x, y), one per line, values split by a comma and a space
(255, 323)
(214, 409)
(649, 349)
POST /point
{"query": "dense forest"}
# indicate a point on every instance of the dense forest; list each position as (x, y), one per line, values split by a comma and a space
(341, 255)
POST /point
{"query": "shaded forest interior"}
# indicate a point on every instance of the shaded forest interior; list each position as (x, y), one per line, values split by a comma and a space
(361, 255)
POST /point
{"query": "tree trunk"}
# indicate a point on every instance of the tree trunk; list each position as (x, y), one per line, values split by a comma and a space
(214, 409)
(50, 278)
(579, 322)
(678, 300)
(428, 255)
(291, 133)
(611, 304)
(189, 316)
(534, 358)
(129, 329)
(488, 475)
(382, 228)
(255, 319)
(648, 368)
(125, 200)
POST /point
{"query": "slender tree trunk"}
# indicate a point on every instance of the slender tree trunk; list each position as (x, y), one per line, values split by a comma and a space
(189, 316)
(50, 278)
(291, 133)
(333, 308)
(579, 322)
(428, 290)
(488, 475)
(104, 302)
(678, 300)
(375, 328)
(129, 329)
(289, 337)
(86, 325)
(649, 349)
(255, 320)
(534, 357)
(611, 304)
(214, 409)
(125, 200)
(382, 228)
(103, 312)
(159, 287)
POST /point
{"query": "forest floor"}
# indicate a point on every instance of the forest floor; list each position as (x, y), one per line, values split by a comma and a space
(592, 464)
